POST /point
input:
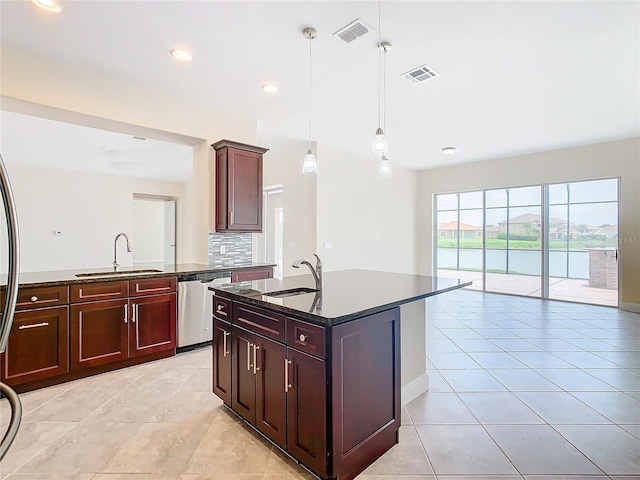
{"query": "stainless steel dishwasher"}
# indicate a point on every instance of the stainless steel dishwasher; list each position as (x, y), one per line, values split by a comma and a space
(195, 307)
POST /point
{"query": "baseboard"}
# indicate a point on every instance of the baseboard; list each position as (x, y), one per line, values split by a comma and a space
(630, 307)
(416, 388)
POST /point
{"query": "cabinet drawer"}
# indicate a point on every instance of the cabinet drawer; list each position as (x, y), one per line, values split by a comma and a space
(36, 297)
(260, 321)
(90, 292)
(247, 276)
(221, 308)
(153, 286)
(306, 337)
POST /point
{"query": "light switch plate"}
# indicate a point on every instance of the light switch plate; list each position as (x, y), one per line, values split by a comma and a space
(328, 245)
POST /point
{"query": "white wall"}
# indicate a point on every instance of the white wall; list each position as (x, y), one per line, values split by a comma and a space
(610, 159)
(371, 222)
(283, 166)
(79, 91)
(88, 210)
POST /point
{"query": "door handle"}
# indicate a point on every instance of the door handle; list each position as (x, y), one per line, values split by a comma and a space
(287, 385)
(255, 358)
(224, 344)
(249, 365)
(126, 313)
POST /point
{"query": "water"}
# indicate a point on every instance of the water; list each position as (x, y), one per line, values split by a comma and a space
(521, 261)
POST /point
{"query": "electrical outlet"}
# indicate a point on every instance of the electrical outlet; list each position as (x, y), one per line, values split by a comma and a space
(223, 249)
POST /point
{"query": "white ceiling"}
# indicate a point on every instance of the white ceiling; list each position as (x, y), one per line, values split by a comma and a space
(515, 77)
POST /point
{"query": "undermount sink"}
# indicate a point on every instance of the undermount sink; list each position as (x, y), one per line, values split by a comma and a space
(291, 292)
(116, 272)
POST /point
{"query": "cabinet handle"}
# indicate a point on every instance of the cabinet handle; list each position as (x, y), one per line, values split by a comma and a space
(135, 312)
(224, 344)
(287, 385)
(302, 337)
(34, 299)
(249, 345)
(126, 313)
(35, 325)
(220, 310)
(255, 358)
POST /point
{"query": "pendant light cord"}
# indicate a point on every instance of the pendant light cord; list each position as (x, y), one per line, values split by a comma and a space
(379, 66)
(310, 40)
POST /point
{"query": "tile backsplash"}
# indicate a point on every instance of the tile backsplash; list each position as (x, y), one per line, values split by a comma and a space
(236, 247)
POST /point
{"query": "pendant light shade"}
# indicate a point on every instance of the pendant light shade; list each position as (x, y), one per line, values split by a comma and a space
(310, 166)
(379, 145)
(384, 169)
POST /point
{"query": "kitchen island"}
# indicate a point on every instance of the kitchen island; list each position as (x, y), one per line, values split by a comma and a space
(323, 373)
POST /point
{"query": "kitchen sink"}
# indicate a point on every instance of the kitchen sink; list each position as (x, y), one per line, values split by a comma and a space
(291, 292)
(109, 273)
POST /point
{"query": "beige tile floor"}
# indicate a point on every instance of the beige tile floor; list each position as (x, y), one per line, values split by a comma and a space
(520, 389)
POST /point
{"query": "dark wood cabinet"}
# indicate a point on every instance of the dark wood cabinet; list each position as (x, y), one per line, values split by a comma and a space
(66, 332)
(108, 331)
(238, 182)
(222, 360)
(328, 395)
(99, 333)
(38, 346)
(271, 398)
(243, 381)
(153, 324)
(307, 410)
(249, 275)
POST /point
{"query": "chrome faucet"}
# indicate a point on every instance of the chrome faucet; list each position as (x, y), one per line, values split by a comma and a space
(317, 272)
(115, 248)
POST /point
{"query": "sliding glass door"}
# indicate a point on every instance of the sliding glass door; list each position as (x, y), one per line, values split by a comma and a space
(554, 241)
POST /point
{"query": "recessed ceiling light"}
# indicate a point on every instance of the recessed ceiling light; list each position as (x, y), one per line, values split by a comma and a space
(181, 55)
(267, 87)
(48, 5)
(449, 150)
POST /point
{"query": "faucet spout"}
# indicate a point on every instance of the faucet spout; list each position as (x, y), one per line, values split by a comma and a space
(115, 248)
(317, 272)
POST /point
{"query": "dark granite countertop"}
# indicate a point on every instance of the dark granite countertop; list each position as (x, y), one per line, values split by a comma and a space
(184, 271)
(346, 294)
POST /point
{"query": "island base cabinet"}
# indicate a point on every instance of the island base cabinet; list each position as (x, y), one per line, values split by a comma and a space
(222, 360)
(306, 410)
(336, 411)
(243, 390)
(271, 395)
(258, 388)
(365, 374)
(38, 346)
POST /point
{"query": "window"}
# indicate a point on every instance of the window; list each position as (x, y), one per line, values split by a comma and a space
(547, 241)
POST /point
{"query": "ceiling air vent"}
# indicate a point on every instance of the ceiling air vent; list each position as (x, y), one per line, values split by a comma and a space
(355, 29)
(420, 74)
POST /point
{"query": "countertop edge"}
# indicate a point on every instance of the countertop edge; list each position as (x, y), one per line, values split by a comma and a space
(129, 276)
(325, 321)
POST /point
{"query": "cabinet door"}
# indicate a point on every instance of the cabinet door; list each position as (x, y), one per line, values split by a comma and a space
(38, 345)
(243, 389)
(98, 333)
(307, 410)
(222, 360)
(271, 397)
(153, 324)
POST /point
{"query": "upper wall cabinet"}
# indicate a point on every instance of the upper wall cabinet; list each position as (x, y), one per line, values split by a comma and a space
(238, 197)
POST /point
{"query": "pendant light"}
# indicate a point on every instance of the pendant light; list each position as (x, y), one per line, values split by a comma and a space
(309, 165)
(380, 148)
